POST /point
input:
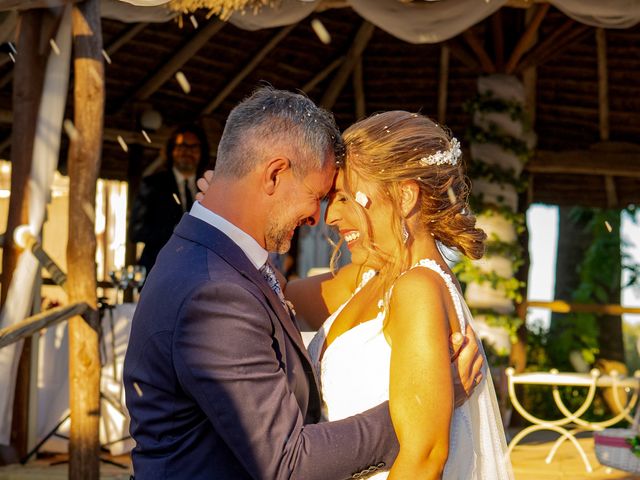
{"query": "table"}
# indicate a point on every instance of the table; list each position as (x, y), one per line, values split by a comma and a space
(572, 420)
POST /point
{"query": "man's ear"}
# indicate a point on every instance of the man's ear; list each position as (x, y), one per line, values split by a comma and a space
(272, 173)
(409, 194)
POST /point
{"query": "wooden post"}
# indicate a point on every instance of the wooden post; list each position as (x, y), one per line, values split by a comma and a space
(27, 90)
(603, 84)
(355, 52)
(84, 165)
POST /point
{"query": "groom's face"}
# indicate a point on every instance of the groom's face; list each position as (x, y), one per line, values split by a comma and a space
(299, 205)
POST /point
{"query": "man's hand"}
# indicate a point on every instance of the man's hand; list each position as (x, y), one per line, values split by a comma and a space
(466, 364)
(203, 184)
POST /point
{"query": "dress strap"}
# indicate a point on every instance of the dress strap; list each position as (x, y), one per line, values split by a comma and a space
(453, 291)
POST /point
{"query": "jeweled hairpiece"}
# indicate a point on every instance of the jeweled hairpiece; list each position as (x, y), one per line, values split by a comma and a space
(442, 157)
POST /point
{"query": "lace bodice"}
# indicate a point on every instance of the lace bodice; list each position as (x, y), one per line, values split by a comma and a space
(354, 376)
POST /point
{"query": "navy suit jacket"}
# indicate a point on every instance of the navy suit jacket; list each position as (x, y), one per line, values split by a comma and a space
(219, 384)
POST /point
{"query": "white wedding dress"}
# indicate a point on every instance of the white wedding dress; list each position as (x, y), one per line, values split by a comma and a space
(354, 376)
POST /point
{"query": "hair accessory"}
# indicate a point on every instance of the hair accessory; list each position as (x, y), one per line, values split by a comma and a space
(441, 157)
(362, 199)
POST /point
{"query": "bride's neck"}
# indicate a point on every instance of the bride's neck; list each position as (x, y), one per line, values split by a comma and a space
(422, 246)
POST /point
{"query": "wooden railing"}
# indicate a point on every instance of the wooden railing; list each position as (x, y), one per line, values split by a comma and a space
(31, 325)
(560, 306)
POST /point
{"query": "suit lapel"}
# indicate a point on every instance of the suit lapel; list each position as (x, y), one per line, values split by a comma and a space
(213, 239)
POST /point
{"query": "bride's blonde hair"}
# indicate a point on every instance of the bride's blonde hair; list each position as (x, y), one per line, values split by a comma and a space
(392, 147)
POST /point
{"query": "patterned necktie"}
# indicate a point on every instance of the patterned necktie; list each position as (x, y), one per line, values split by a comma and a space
(270, 276)
(188, 198)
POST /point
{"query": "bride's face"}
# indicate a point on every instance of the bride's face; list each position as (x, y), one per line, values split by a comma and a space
(356, 223)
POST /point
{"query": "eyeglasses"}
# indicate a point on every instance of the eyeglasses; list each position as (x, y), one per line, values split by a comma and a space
(187, 146)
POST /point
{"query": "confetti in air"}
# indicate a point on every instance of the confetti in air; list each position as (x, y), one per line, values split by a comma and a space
(184, 83)
(13, 49)
(194, 22)
(362, 199)
(122, 143)
(71, 130)
(138, 389)
(608, 225)
(13, 59)
(321, 31)
(146, 136)
(106, 56)
(54, 46)
(96, 76)
(175, 197)
(89, 211)
(452, 196)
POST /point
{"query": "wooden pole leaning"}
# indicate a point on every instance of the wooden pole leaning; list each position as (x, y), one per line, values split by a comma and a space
(84, 165)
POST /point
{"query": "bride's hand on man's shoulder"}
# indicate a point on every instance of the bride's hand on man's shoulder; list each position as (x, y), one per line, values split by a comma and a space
(203, 184)
(466, 364)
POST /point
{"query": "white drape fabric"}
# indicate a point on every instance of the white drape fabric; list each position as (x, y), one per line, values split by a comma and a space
(45, 160)
(416, 22)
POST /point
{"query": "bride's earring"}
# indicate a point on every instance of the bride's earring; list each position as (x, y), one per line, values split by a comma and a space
(405, 232)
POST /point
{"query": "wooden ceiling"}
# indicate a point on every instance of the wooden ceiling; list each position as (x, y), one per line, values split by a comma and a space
(588, 131)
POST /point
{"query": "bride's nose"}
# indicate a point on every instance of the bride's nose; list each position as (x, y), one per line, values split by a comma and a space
(331, 215)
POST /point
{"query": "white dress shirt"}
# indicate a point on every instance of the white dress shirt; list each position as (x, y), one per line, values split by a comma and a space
(246, 242)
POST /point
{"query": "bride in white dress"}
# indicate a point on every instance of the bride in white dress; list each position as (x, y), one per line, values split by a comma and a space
(401, 192)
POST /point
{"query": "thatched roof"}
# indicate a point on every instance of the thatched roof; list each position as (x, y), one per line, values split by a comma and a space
(395, 75)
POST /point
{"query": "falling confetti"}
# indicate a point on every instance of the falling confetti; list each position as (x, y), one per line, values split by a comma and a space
(175, 197)
(452, 196)
(138, 389)
(96, 76)
(13, 49)
(321, 31)
(146, 136)
(608, 225)
(106, 56)
(12, 57)
(89, 211)
(362, 199)
(71, 130)
(184, 83)
(54, 46)
(194, 22)
(122, 143)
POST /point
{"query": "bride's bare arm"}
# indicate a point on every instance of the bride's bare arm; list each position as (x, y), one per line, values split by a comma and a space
(315, 298)
(421, 387)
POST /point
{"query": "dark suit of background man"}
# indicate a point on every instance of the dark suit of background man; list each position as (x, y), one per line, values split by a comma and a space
(218, 382)
(165, 195)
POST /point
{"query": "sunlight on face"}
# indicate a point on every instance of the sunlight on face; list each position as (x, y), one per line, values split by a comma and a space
(368, 219)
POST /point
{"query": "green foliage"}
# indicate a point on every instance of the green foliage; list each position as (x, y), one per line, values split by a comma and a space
(494, 135)
(488, 103)
(599, 280)
(496, 174)
(634, 444)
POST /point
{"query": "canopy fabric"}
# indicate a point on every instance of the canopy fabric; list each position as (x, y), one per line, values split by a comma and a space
(415, 22)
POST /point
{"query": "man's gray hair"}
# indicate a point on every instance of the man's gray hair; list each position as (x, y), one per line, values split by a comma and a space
(271, 117)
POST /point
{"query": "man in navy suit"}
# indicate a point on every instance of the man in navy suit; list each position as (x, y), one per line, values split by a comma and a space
(218, 382)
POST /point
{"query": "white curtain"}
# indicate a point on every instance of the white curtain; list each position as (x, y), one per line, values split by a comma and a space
(45, 160)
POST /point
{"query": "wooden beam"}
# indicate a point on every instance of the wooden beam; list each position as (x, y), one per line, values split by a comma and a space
(610, 189)
(358, 88)
(29, 72)
(84, 165)
(554, 45)
(443, 83)
(125, 37)
(530, 75)
(322, 74)
(483, 57)
(603, 84)
(358, 45)
(458, 51)
(4, 144)
(528, 38)
(586, 162)
(248, 68)
(152, 84)
(35, 323)
(498, 39)
(560, 306)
